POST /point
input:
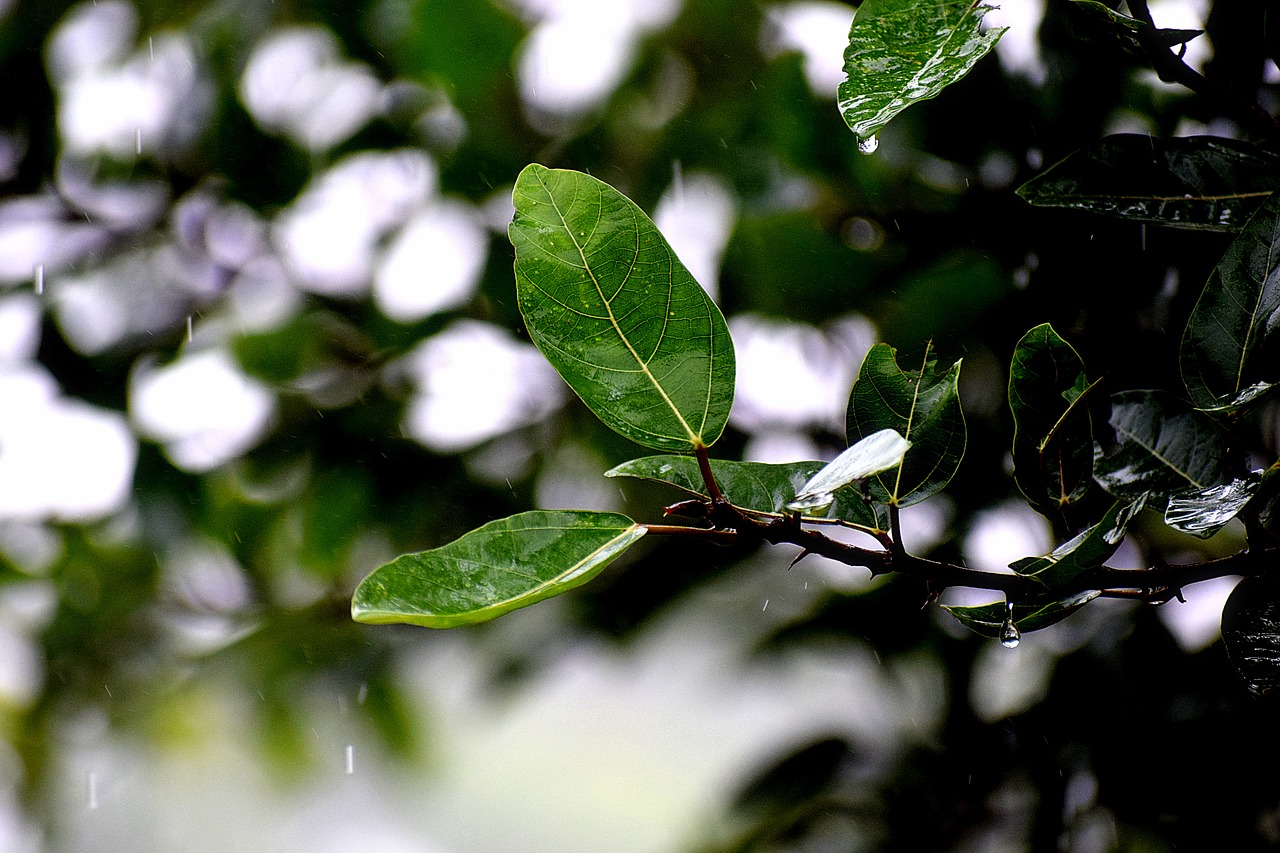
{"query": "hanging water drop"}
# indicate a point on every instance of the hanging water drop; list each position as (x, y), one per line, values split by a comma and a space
(1010, 636)
(869, 144)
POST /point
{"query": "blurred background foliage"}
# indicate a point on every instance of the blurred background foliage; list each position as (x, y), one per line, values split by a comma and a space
(258, 335)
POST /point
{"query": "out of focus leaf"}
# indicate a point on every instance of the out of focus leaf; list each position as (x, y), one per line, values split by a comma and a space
(1251, 632)
(1165, 447)
(1230, 352)
(1201, 182)
(611, 307)
(504, 565)
(904, 51)
(1127, 29)
(923, 407)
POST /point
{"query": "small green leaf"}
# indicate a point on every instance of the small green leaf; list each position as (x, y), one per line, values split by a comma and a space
(878, 452)
(1090, 548)
(1203, 512)
(1052, 433)
(924, 408)
(1230, 352)
(1200, 182)
(904, 51)
(755, 486)
(504, 565)
(988, 620)
(1251, 632)
(1164, 447)
(615, 312)
(1127, 29)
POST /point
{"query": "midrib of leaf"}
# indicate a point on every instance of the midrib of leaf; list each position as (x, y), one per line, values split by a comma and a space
(1150, 449)
(911, 416)
(694, 438)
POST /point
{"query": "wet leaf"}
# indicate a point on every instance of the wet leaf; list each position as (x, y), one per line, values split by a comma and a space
(1203, 512)
(1127, 29)
(1200, 182)
(1090, 548)
(924, 408)
(1251, 632)
(756, 486)
(504, 565)
(1164, 447)
(878, 452)
(904, 51)
(1053, 436)
(615, 312)
(988, 620)
(1230, 353)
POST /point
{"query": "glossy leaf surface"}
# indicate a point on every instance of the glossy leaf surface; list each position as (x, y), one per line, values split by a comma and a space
(1090, 548)
(924, 408)
(756, 486)
(878, 452)
(1203, 512)
(1201, 182)
(988, 620)
(1127, 29)
(1251, 632)
(904, 51)
(1053, 436)
(615, 312)
(1230, 350)
(504, 565)
(1164, 447)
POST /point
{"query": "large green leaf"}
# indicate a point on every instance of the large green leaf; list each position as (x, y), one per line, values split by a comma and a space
(924, 408)
(1052, 434)
(756, 486)
(1164, 447)
(615, 312)
(1091, 547)
(1231, 346)
(1200, 182)
(904, 51)
(504, 565)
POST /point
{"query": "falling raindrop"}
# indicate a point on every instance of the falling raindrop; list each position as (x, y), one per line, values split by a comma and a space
(1010, 636)
(351, 759)
(190, 328)
(137, 141)
(39, 279)
(869, 144)
(363, 693)
(766, 606)
(93, 790)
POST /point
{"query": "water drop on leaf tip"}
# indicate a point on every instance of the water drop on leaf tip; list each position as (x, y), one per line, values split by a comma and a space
(1010, 636)
(869, 144)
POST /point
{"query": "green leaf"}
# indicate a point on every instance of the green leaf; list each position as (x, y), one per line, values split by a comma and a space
(502, 566)
(1164, 447)
(878, 452)
(921, 406)
(989, 620)
(1090, 548)
(1052, 433)
(755, 486)
(615, 312)
(1199, 182)
(904, 51)
(1251, 632)
(1203, 512)
(1230, 350)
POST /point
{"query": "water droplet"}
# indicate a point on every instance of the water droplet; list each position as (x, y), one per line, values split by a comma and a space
(93, 790)
(869, 144)
(190, 328)
(39, 279)
(137, 142)
(766, 606)
(351, 759)
(363, 693)
(1010, 636)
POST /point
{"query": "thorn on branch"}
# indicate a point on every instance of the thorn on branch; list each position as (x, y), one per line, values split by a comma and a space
(806, 552)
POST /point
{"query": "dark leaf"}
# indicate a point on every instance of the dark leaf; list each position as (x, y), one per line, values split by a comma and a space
(1251, 632)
